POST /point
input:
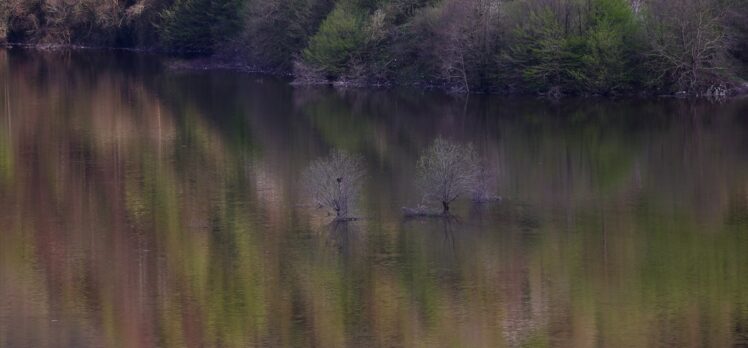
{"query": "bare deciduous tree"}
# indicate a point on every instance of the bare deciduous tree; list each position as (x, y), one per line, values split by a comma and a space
(463, 37)
(688, 42)
(447, 170)
(334, 182)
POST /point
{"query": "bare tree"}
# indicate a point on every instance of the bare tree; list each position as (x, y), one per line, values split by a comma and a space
(334, 182)
(688, 42)
(463, 39)
(447, 170)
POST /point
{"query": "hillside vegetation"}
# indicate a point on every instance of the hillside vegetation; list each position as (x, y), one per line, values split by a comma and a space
(550, 47)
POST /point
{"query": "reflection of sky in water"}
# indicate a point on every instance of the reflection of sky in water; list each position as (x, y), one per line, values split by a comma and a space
(141, 207)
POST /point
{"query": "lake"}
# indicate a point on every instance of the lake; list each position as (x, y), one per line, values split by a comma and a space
(142, 206)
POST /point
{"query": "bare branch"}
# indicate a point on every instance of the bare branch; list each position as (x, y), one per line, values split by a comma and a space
(446, 171)
(335, 182)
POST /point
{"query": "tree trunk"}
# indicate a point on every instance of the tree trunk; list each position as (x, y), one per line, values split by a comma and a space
(336, 207)
(446, 207)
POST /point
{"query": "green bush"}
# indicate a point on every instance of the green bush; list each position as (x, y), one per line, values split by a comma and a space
(341, 35)
(595, 58)
(603, 50)
(540, 56)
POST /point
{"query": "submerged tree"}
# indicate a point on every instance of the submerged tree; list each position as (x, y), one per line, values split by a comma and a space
(447, 170)
(334, 182)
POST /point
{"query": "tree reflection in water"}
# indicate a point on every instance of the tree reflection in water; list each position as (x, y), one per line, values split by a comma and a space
(142, 207)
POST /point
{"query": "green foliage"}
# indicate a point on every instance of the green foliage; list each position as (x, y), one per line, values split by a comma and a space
(603, 52)
(594, 59)
(340, 37)
(527, 46)
(540, 53)
(603, 60)
(199, 25)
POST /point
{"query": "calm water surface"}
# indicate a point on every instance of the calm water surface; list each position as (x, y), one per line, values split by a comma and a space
(144, 207)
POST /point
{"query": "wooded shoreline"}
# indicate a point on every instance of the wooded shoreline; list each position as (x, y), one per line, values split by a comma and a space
(552, 48)
(221, 63)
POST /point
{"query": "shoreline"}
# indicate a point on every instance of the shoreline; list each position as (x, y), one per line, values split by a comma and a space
(211, 63)
(219, 62)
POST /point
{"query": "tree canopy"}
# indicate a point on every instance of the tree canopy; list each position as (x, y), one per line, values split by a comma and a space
(555, 47)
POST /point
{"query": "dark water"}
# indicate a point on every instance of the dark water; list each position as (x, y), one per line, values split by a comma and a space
(144, 207)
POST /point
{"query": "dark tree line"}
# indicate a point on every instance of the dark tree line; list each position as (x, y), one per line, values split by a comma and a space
(511, 46)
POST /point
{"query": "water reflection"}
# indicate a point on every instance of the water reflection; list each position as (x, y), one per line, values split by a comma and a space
(141, 207)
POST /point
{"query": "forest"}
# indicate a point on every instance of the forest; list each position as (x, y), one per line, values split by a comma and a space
(546, 47)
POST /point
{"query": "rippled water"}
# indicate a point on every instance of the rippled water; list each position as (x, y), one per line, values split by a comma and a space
(146, 207)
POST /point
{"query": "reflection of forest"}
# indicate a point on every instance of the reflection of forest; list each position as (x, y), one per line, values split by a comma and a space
(141, 207)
